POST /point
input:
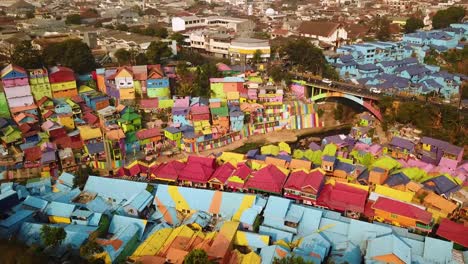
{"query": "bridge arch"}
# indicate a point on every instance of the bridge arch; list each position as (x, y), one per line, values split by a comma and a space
(375, 111)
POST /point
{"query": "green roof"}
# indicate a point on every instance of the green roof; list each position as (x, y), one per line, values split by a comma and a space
(220, 111)
(387, 163)
(330, 150)
(131, 137)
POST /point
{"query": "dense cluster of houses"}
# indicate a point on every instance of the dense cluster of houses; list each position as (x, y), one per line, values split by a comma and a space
(398, 67)
(51, 119)
(230, 217)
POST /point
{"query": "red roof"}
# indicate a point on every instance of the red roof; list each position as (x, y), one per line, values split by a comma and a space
(149, 103)
(268, 179)
(455, 232)
(300, 179)
(169, 171)
(223, 172)
(198, 110)
(90, 118)
(32, 154)
(60, 74)
(243, 171)
(148, 133)
(342, 197)
(198, 169)
(403, 209)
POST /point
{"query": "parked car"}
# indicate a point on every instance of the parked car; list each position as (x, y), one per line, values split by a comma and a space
(327, 81)
(375, 90)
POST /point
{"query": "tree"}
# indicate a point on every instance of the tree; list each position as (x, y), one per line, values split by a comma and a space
(197, 256)
(291, 260)
(304, 55)
(257, 57)
(90, 248)
(26, 56)
(413, 24)
(123, 56)
(381, 27)
(73, 19)
(158, 50)
(179, 38)
(140, 59)
(52, 236)
(121, 27)
(30, 14)
(443, 18)
(338, 113)
(161, 32)
(71, 53)
(204, 73)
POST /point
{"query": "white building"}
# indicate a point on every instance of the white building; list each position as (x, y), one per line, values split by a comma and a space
(328, 33)
(236, 24)
(243, 49)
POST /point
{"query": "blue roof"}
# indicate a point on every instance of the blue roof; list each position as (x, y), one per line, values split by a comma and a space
(99, 205)
(82, 213)
(120, 222)
(249, 216)
(95, 219)
(6, 186)
(63, 196)
(388, 244)
(441, 185)
(276, 234)
(60, 209)
(437, 250)
(141, 200)
(94, 148)
(344, 166)
(15, 218)
(115, 189)
(35, 202)
(397, 179)
(360, 232)
(77, 234)
(252, 153)
(67, 179)
(172, 130)
(39, 185)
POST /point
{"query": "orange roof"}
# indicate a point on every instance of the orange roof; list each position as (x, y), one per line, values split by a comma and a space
(300, 164)
(276, 162)
(440, 202)
(176, 256)
(413, 186)
(223, 240)
(151, 260)
(116, 134)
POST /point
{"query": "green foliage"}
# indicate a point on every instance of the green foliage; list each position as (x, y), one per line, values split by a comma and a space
(291, 260)
(52, 236)
(330, 73)
(179, 38)
(15, 252)
(258, 221)
(122, 27)
(320, 113)
(73, 19)
(204, 73)
(70, 53)
(141, 59)
(197, 256)
(443, 18)
(30, 14)
(381, 27)
(338, 112)
(90, 248)
(257, 57)
(103, 227)
(26, 56)
(304, 55)
(413, 24)
(157, 51)
(278, 74)
(123, 56)
(193, 57)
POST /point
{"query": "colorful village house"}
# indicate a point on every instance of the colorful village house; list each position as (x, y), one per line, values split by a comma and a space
(167, 172)
(400, 148)
(17, 91)
(123, 80)
(129, 121)
(366, 119)
(219, 117)
(220, 176)
(269, 179)
(67, 160)
(200, 116)
(157, 85)
(173, 135)
(140, 75)
(236, 118)
(62, 82)
(64, 115)
(220, 87)
(39, 82)
(304, 187)
(238, 178)
(343, 198)
(116, 144)
(149, 138)
(439, 152)
(11, 136)
(439, 206)
(197, 171)
(402, 214)
(59, 213)
(45, 105)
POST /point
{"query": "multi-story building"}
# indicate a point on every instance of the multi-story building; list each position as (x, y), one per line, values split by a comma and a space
(39, 82)
(191, 22)
(17, 91)
(329, 34)
(62, 82)
(243, 49)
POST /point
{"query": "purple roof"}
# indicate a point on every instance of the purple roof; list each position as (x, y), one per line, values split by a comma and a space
(402, 143)
(443, 145)
(180, 110)
(441, 185)
(314, 146)
(397, 179)
(48, 156)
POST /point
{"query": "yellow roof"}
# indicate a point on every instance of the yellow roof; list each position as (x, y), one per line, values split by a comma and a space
(84, 89)
(153, 244)
(393, 193)
(231, 157)
(87, 132)
(359, 186)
